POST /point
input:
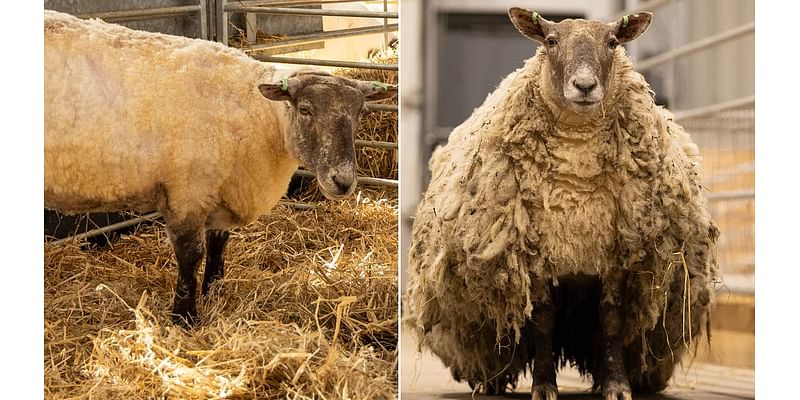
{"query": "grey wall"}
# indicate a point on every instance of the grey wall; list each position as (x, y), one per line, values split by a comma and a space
(186, 25)
(183, 25)
(475, 52)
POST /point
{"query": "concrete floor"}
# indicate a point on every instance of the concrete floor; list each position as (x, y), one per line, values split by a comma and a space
(422, 376)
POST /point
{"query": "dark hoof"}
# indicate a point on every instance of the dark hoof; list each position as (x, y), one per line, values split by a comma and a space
(544, 391)
(616, 390)
(185, 317)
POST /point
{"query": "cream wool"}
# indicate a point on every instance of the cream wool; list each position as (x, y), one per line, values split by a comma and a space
(192, 125)
(524, 193)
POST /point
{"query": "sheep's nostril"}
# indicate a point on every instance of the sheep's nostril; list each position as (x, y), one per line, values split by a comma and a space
(584, 86)
(342, 183)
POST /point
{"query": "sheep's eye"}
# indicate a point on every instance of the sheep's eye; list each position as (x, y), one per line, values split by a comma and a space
(613, 43)
(305, 110)
(551, 42)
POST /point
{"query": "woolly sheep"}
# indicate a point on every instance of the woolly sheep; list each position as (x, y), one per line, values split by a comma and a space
(564, 223)
(139, 120)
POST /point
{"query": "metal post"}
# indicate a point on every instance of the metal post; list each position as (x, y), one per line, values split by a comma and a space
(211, 12)
(251, 26)
(204, 20)
(222, 22)
(671, 68)
(385, 25)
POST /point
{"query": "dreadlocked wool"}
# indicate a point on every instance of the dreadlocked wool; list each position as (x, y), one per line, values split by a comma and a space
(523, 191)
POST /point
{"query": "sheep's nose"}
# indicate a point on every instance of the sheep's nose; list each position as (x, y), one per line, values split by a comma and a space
(342, 182)
(585, 85)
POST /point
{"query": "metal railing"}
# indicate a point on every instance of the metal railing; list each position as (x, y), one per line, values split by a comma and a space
(696, 46)
(149, 217)
(254, 8)
(722, 200)
(672, 55)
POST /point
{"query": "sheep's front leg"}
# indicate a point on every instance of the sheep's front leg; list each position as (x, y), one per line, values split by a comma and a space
(615, 380)
(215, 257)
(187, 240)
(544, 370)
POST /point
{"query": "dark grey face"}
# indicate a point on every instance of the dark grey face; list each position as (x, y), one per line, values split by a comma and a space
(324, 119)
(580, 53)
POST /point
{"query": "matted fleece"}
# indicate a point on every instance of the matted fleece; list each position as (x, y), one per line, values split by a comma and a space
(511, 200)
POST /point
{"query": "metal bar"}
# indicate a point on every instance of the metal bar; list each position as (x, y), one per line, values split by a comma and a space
(732, 195)
(363, 180)
(251, 26)
(715, 108)
(131, 15)
(211, 10)
(313, 37)
(382, 107)
(310, 11)
(298, 205)
(204, 20)
(376, 144)
(696, 46)
(222, 22)
(106, 229)
(292, 3)
(385, 24)
(366, 180)
(327, 63)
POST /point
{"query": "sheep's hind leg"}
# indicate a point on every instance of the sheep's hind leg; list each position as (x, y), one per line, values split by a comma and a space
(187, 240)
(544, 370)
(215, 257)
(615, 383)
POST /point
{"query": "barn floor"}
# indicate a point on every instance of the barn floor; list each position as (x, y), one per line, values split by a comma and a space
(423, 377)
(307, 309)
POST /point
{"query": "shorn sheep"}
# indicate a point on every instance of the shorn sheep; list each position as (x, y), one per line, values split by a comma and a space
(196, 130)
(564, 224)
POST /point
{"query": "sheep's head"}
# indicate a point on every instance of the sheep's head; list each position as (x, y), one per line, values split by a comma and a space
(580, 53)
(324, 119)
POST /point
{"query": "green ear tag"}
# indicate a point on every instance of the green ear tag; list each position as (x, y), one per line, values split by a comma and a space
(625, 21)
(285, 85)
(380, 86)
(535, 17)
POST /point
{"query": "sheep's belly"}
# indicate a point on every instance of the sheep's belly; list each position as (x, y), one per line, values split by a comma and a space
(577, 231)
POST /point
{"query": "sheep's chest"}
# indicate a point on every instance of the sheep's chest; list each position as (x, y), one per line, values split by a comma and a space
(578, 210)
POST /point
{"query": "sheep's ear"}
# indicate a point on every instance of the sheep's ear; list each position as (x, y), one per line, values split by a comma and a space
(277, 91)
(630, 27)
(374, 91)
(529, 23)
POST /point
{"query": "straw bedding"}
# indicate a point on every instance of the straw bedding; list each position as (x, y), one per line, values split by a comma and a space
(307, 309)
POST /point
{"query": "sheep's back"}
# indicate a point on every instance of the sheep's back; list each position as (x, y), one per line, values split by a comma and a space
(128, 113)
